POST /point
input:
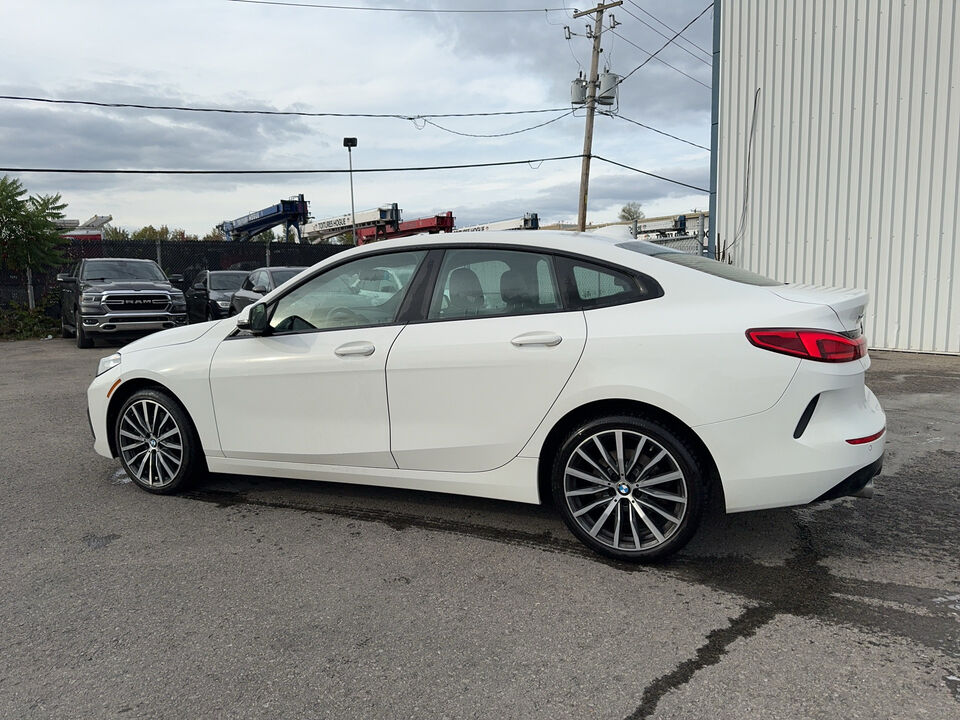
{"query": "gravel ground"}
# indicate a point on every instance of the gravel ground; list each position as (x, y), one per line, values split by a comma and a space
(257, 598)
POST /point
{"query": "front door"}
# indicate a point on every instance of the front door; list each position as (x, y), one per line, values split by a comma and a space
(313, 390)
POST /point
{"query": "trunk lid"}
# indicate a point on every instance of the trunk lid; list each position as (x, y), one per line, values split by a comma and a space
(848, 304)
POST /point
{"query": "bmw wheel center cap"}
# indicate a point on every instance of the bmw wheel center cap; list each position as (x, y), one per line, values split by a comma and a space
(623, 488)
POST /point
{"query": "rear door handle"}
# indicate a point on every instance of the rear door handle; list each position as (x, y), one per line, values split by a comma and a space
(547, 339)
(362, 348)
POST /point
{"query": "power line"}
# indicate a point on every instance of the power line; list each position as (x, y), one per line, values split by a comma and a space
(654, 55)
(648, 127)
(287, 113)
(497, 135)
(661, 34)
(659, 60)
(336, 171)
(396, 9)
(656, 19)
(644, 172)
(325, 171)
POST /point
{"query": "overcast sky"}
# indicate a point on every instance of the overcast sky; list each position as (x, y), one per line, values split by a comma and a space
(216, 53)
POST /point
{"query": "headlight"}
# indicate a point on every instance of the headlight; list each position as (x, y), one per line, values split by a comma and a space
(108, 363)
(223, 303)
(91, 298)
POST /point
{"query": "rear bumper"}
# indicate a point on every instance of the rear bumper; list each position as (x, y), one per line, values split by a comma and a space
(855, 483)
(762, 465)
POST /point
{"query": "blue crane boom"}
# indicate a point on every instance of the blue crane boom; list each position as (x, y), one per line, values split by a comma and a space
(289, 213)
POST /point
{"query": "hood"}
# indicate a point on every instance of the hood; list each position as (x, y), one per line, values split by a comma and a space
(221, 294)
(173, 336)
(848, 305)
(107, 285)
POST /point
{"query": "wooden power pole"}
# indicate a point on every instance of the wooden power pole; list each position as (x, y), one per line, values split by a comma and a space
(597, 12)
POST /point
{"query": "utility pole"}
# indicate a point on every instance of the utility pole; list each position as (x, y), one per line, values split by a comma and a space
(591, 105)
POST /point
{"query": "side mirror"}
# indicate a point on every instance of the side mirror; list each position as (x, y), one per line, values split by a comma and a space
(254, 318)
(260, 290)
(175, 278)
(65, 278)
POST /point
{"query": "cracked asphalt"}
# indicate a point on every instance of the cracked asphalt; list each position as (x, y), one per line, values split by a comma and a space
(257, 598)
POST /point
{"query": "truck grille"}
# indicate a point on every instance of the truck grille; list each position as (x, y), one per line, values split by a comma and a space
(140, 301)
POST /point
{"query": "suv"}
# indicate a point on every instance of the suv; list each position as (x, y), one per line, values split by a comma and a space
(109, 297)
(259, 283)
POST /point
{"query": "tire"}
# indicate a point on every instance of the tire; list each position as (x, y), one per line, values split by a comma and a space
(64, 330)
(83, 341)
(156, 442)
(624, 515)
(208, 315)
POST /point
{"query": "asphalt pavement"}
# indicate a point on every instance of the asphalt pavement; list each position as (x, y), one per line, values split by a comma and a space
(259, 598)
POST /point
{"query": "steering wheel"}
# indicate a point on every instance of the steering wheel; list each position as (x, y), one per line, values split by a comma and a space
(344, 314)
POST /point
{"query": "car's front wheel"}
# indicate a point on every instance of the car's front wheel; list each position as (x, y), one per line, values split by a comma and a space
(629, 487)
(83, 341)
(156, 442)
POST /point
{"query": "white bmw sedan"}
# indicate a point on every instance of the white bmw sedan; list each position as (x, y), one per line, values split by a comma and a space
(629, 383)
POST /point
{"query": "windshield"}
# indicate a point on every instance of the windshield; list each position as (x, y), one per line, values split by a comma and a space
(281, 276)
(122, 270)
(226, 280)
(698, 262)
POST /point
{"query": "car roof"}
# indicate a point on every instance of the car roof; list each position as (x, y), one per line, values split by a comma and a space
(592, 245)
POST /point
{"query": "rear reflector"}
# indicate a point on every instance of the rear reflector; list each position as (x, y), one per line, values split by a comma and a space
(819, 345)
(868, 438)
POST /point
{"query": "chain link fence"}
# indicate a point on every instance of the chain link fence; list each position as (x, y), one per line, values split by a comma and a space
(187, 258)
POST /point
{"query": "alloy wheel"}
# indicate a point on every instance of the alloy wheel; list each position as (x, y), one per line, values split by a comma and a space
(151, 443)
(625, 490)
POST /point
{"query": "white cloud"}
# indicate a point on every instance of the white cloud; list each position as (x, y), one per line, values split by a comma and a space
(235, 55)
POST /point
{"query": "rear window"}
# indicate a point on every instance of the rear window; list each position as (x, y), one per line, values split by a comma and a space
(698, 262)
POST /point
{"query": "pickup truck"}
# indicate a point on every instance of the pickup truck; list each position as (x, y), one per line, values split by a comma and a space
(118, 297)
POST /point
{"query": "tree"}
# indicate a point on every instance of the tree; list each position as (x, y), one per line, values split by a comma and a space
(215, 234)
(30, 238)
(631, 211)
(115, 233)
(150, 233)
(265, 236)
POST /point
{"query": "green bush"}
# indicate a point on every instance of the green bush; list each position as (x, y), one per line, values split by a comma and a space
(18, 322)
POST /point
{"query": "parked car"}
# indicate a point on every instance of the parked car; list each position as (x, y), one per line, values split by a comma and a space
(208, 298)
(258, 283)
(629, 383)
(118, 297)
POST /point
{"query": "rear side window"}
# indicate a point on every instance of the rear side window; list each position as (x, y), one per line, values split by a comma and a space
(483, 282)
(698, 262)
(590, 285)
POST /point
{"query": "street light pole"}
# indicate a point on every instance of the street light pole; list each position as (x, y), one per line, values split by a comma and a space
(349, 143)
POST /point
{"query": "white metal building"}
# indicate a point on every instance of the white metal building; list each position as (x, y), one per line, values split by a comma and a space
(850, 173)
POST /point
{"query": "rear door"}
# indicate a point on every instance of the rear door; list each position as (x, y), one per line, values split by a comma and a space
(468, 386)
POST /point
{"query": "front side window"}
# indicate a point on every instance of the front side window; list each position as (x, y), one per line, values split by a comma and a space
(347, 296)
(487, 282)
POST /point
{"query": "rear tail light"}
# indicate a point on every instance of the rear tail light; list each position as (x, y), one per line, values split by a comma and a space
(820, 345)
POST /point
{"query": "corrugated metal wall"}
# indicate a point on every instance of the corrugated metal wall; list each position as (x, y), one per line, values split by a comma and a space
(855, 168)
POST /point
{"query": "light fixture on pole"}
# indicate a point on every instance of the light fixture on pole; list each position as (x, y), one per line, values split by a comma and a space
(349, 143)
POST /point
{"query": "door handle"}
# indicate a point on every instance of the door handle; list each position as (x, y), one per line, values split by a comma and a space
(361, 348)
(547, 339)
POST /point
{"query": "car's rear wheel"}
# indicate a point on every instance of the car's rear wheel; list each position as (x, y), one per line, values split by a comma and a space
(629, 487)
(156, 442)
(64, 330)
(82, 340)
